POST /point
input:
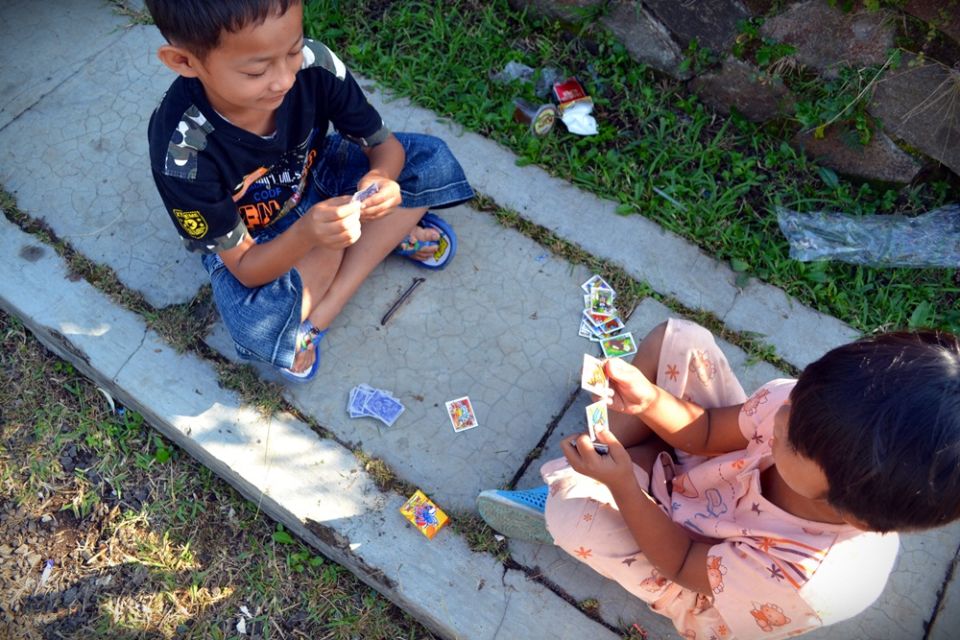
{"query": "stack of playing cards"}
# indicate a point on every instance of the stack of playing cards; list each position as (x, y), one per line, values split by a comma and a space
(367, 402)
(601, 321)
(594, 379)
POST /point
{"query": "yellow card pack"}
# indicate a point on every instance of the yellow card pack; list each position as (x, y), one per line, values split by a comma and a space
(424, 515)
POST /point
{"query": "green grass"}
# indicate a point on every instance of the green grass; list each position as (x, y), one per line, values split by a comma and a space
(174, 551)
(660, 152)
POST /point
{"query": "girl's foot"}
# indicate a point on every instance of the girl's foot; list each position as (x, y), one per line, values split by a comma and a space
(516, 514)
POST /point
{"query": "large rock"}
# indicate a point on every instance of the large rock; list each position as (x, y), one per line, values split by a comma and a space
(566, 10)
(826, 37)
(879, 160)
(712, 23)
(741, 85)
(645, 38)
(918, 103)
(941, 14)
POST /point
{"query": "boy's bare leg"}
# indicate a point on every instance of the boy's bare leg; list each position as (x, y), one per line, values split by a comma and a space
(630, 430)
(330, 281)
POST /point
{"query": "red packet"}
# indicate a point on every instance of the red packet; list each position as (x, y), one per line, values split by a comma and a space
(424, 515)
(568, 93)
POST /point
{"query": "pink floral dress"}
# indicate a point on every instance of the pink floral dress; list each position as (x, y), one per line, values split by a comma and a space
(774, 575)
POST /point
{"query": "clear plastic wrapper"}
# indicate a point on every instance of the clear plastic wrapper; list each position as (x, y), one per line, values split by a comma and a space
(929, 240)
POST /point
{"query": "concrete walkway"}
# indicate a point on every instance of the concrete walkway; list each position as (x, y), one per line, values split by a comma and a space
(499, 325)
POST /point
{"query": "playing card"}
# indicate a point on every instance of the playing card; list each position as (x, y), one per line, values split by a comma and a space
(383, 406)
(586, 330)
(611, 326)
(592, 377)
(601, 301)
(618, 346)
(597, 420)
(461, 414)
(597, 319)
(358, 398)
(595, 282)
(360, 196)
(424, 514)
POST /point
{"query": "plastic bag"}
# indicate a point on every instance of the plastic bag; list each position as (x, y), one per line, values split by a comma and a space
(929, 240)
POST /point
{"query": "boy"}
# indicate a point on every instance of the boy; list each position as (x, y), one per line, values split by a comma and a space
(250, 178)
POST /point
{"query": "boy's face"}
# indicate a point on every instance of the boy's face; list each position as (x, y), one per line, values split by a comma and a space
(250, 71)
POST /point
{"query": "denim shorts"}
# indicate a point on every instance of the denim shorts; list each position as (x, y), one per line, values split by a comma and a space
(263, 321)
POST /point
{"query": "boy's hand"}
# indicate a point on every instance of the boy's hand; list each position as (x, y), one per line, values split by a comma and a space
(334, 223)
(386, 199)
(632, 392)
(614, 469)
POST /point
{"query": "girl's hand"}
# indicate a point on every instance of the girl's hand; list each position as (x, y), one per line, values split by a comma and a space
(632, 392)
(385, 200)
(614, 469)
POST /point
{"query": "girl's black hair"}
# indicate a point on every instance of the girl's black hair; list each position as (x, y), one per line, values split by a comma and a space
(196, 25)
(881, 417)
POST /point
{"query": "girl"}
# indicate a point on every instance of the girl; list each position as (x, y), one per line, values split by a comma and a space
(754, 518)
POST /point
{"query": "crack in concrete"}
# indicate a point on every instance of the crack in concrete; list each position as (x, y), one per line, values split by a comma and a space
(948, 577)
(83, 63)
(143, 338)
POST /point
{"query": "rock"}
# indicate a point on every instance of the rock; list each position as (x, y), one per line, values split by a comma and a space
(880, 160)
(566, 10)
(645, 39)
(755, 94)
(759, 7)
(941, 14)
(713, 24)
(5, 550)
(827, 38)
(918, 104)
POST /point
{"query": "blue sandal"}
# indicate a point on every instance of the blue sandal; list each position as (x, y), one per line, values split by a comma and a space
(307, 335)
(516, 514)
(446, 245)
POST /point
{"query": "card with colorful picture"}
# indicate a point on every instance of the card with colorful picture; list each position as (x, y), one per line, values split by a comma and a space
(601, 301)
(424, 514)
(618, 346)
(611, 326)
(597, 319)
(595, 282)
(592, 377)
(597, 421)
(461, 414)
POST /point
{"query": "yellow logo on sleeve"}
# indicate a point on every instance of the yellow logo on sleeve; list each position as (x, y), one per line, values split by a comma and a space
(191, 222)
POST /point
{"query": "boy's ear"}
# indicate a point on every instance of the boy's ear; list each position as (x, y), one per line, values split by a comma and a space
(179, 60)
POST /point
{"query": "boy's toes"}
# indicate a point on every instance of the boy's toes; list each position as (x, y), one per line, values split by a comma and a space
(303, 361)
(425, 235)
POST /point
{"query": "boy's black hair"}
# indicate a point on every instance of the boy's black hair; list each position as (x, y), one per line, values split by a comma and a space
(881, 417)
(196, 25)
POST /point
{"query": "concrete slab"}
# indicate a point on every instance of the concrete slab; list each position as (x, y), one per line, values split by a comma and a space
(314, 486)
(498, 325)
(45, 43)
(670, 264)
(78, 159)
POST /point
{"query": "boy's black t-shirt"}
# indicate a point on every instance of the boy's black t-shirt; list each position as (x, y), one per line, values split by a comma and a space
(219, 182)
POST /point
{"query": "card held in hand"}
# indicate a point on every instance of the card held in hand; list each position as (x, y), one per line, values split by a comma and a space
(593, 378)
(597, 421)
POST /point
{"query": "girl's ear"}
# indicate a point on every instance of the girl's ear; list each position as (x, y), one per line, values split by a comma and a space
(179, 60)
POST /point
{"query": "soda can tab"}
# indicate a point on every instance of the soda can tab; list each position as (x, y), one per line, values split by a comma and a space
(570, 92)
(539, 117)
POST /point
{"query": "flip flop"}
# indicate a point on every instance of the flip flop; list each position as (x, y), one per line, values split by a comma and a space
(446, 245)
(307, 334)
